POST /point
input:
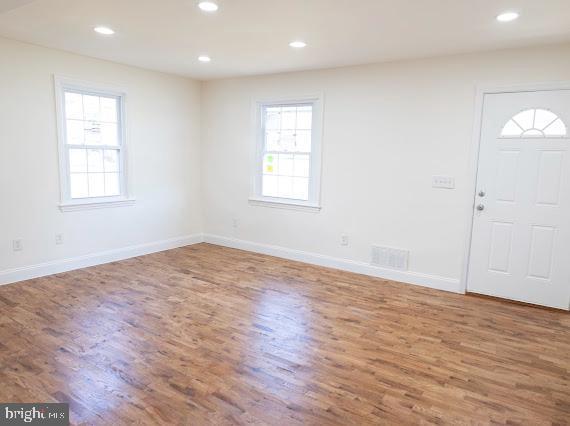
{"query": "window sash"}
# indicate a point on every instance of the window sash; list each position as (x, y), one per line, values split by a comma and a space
(87, 147)
(290, 177)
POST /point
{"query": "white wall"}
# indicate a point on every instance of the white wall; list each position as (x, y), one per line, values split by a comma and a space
(388, 129)
(163, 114)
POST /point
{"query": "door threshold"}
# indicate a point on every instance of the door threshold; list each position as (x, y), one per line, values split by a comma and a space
(515, 302)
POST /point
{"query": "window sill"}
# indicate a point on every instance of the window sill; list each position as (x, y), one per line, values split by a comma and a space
(100, 204)
(288, 205)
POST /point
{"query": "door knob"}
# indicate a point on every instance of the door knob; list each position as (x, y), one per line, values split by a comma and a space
(480, 207)
(481, 193)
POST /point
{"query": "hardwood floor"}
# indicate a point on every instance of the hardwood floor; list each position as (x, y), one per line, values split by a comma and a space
(210, 335)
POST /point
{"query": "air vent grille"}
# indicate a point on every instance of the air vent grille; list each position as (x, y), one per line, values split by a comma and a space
(391, 258)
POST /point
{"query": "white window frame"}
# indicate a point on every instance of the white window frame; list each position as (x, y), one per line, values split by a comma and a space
(314, 202)
(67, 203)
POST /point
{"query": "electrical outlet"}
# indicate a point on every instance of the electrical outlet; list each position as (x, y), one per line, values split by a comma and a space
(344, 240)
(59, 239)
(17, 245)
(446, 182)
(235, 223)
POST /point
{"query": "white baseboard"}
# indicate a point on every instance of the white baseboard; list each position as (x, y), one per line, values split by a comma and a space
(57, 266)
(416, 278)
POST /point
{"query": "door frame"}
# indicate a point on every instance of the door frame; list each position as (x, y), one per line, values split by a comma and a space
(480, 91)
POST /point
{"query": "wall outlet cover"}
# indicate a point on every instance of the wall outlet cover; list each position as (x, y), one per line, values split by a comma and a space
(17, 245)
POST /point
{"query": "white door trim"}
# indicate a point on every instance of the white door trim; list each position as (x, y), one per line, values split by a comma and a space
(480, 91)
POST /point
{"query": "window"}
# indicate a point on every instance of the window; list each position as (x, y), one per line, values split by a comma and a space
(91, 146)
(288, 153)
(533, 123)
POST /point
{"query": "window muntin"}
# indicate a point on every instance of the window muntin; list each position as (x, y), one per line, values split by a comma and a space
(534, 123)
(92, 146)
(287, 147)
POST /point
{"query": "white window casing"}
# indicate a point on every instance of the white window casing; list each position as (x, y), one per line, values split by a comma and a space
(287, 163)
(92, 145)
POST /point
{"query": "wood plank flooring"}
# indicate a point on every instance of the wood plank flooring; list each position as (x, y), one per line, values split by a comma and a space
(208, 335)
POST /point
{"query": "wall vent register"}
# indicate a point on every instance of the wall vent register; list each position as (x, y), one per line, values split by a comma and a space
(390, 258)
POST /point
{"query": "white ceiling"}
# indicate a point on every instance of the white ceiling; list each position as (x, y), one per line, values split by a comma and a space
(248, 37)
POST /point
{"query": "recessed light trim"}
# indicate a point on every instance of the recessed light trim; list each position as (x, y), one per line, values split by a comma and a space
(204, 58)
(298, 44)
(508, 16)
(104, 30)
(208, 6)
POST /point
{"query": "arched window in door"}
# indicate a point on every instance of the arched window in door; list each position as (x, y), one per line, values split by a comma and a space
(534, 123)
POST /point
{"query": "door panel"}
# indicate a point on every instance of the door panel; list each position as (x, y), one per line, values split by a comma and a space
(507, 173)
(549, 177)
(541, 248)
(501, 247)
(520, 245)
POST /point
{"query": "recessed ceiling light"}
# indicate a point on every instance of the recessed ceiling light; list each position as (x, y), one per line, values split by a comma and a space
(208, 6)
(104, 30)
(204, 58)
(507, 16)
(298, 44)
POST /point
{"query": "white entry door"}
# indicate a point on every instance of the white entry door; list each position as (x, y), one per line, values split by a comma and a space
(520, 247)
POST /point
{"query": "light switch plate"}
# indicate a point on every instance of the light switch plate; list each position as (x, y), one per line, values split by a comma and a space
(446, 182)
